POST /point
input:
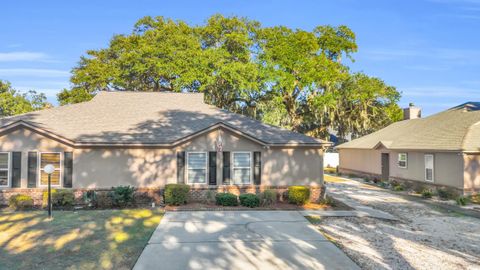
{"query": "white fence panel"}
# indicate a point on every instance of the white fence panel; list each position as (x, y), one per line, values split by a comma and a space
(330, 160)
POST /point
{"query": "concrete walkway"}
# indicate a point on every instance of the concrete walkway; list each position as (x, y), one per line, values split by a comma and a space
(240, 240)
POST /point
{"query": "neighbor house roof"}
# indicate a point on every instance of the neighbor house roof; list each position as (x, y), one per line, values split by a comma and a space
(456, 129)
(148, 118)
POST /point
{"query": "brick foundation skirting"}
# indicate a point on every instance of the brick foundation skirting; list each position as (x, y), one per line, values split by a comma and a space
(145, 196)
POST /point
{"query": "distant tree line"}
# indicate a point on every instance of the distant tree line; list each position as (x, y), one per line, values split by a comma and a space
(287, 77)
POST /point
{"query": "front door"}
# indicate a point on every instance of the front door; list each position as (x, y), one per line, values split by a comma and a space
(385, 166)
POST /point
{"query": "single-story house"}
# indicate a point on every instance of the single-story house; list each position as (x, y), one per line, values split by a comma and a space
(440, 150)
(149, 139)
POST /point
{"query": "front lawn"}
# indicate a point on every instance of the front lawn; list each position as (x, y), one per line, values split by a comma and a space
(95, 239)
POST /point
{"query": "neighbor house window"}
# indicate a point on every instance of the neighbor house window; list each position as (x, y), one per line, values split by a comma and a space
(402, 160)
(197, 167)
(56, 160)
(242, 169)
(429, 168)
(4, 169)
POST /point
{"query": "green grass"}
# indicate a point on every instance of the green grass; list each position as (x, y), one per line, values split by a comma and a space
(96, 239)
(330, 170)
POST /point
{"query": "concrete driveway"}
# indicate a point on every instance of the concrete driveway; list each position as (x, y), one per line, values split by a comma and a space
(240, 240)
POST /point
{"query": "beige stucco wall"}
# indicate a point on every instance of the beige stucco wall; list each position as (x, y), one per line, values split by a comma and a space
(154, 167)
(448, 166)
(471, 172)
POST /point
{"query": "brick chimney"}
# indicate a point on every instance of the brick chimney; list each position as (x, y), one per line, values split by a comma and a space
(412, 112)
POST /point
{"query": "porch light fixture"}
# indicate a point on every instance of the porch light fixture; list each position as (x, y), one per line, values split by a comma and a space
(49, 169)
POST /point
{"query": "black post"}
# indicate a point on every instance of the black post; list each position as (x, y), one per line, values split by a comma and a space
(49, 196)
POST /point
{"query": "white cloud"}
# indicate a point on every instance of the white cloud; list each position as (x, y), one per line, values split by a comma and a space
(33, 72)
(23, 56)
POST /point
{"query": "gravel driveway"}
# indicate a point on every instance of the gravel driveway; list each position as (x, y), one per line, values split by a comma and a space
(425, 238)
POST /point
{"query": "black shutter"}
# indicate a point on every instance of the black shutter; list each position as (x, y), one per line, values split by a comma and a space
(16, 169)
(212, 168)
(257, 168)
(67, 169)
(180, 167)
(32, 169)
(226, 168)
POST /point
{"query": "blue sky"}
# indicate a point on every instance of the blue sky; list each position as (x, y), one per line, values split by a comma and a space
(428, 49)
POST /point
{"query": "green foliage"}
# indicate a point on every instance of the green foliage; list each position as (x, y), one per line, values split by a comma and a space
(226, 199)
(122, 196)
(60, 198)
(475, 198)
(298, 195)
(427, 194)
(90, 198)
(268, 197)
(445, 194)
(292, 78)
(176, 194)
(249, 200)
(20, 202)
(462, 200)
(328, 201)
(419, 188)
(399, 187)
(13, 102)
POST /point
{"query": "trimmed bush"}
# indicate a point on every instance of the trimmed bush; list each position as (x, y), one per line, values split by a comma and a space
(60, 198)
(399, 187)
(249, 200)
(444, 194)
(226, 199)
(122, 196)
(268, 197)
(427, 194)
(462, 200)
(20, 202)
(176, 194)
(298, 195)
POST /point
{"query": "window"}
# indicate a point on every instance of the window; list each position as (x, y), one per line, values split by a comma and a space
(429, 173)
(4, 169)
(242, 169)
(402, 160)
(54, 159)
(197, 167)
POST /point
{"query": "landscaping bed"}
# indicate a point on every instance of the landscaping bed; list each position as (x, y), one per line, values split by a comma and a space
(199, 206)
(94, 239)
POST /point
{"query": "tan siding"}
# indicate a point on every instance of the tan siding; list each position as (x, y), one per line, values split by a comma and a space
(471, 172)
(361, 160)
(153, 167)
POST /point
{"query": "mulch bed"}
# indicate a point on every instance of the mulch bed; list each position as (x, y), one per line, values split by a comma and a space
(197, 206)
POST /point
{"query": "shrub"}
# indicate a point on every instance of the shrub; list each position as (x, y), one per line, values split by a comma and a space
(60, 198)
(20, 202)
(90, 198)
(399, 187)
(298, 195)
(122, 195)
(427, 194)
(226, 199)
(249, 200)
(462, 200)
(444, 194)
(176, 194)
(328, 201)
(268, 197)
(383, 184)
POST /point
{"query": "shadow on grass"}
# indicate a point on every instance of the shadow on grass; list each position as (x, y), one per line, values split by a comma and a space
(97, 239)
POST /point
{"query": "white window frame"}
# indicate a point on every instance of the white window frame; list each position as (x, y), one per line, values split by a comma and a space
(406, 160)
(40, 169)
(233, 167)
(425, 167)
(9, 165)
(206, 167)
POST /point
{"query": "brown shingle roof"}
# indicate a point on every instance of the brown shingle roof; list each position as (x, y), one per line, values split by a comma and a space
(456, 129)
(149, 118)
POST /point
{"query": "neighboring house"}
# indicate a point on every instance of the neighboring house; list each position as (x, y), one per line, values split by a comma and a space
(441, 150)
(148, 140)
